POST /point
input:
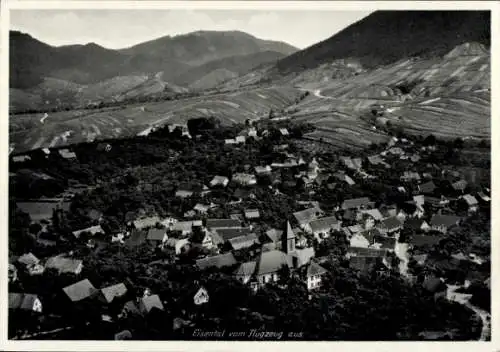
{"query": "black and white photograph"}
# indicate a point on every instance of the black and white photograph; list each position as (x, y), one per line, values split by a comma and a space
(247, 173)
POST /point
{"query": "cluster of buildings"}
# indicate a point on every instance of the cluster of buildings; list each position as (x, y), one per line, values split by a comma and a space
(372, 228)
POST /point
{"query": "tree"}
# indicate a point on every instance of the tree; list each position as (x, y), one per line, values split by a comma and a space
(283, 275)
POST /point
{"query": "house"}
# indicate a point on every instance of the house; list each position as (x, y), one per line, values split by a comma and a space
(25, 302)
(409, 176)
(365, 252)
(357, 203)
(484, 197)
(459, 186)
(230, 141)
(184, 227)
(103, 147)
(67, 154)
(207, 241)
(137, 238)
(416, 224)
(243, 241)
(251, 214)
(184, 193)
(321, 228)
(388, 211)
(144, 223)
(123, 335)
(365, 264)
(471, 202)
(420, 258)
(109, 293)
(305, 216)
(274, 236)
(245, 271)
(375, 214)
(148, 303)
(217, 224)
(359, 241)
(252, 132)
(314, 275)
(301, 257)
(64, 265)
(240, 139)
(377, 160)
(93, 230)
(435, 286)
(244, 179)
(12, 273)
(31, 264)
(201, 208)
(384, 242)
(411, 209)
(344, 178)
(354, 230)
(284, 131)
(157, 236)
(180, 245)
(130, 308)
(219, 261)
(368, 218)
(118, 237)
(224, 235)
(262, 170)
(80, 291)
(21, 158)
(353, 164)
(396, 151)
(443, 223)
(437, 203)
(201, 297)
(427, 187)
(219, 181)
(268, 265)
(390, 226)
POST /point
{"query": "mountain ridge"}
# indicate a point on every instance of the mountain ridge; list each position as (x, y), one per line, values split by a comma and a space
(32, 59)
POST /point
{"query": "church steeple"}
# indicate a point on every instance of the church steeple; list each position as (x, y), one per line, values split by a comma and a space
(288, 239)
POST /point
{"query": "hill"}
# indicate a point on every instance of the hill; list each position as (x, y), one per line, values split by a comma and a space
(198, 48)
(238, 65)
(32, 60)
(388, 36)
(32, 131)
(44, 76)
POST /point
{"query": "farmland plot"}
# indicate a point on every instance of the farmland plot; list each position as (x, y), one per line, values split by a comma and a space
(27, 132)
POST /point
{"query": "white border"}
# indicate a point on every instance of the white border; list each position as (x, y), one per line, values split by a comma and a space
(256, 5)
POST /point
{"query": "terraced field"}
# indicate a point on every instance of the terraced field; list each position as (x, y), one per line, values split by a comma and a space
(448, 97)
(28, 132)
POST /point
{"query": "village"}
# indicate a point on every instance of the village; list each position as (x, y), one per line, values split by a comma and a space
(388, 211)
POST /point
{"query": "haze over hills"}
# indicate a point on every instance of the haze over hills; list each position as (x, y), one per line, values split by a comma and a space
(429, 69)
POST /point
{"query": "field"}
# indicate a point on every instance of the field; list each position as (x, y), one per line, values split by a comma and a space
(448, 97)
(52, 91)
(28, 132)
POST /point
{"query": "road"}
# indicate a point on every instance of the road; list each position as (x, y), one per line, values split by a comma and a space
(401, 251)
(483, 315)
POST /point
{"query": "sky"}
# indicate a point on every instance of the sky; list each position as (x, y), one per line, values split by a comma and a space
(116, 29)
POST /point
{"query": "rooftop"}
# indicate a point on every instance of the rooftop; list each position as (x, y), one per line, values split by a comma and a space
(80, 290)
(272, 261)
(226, 259)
